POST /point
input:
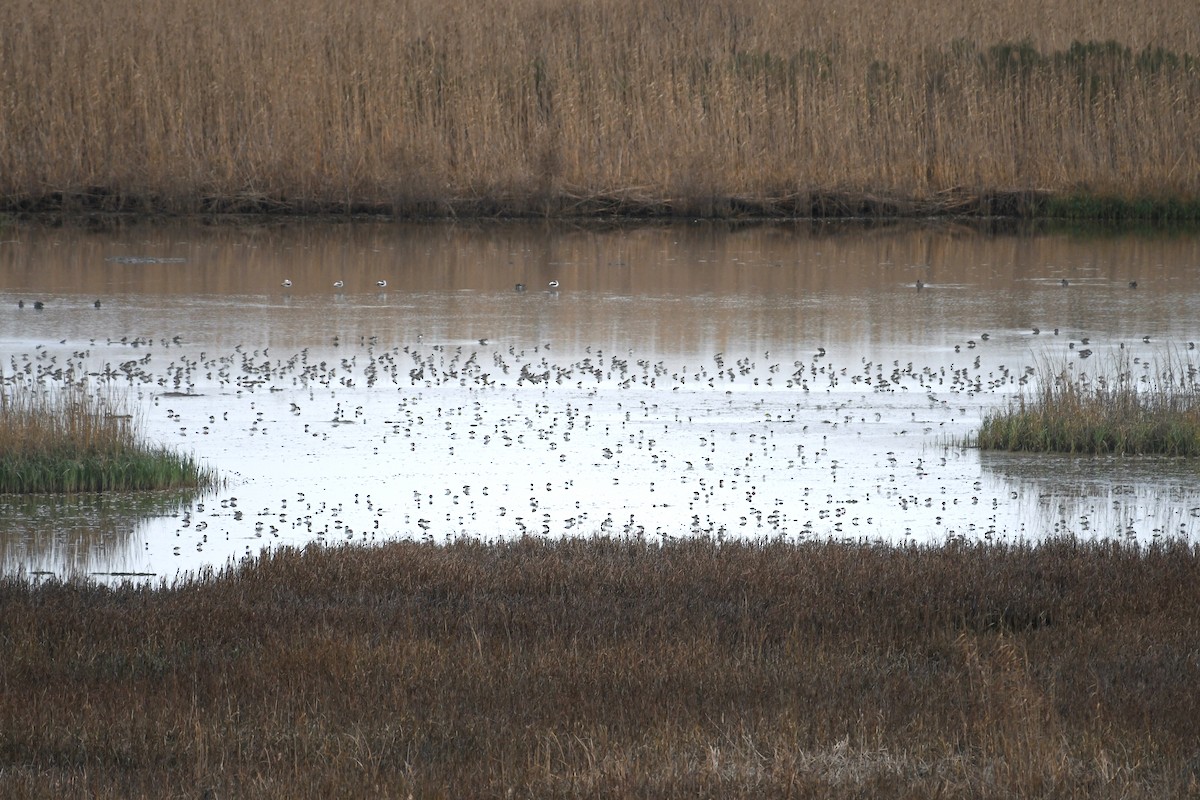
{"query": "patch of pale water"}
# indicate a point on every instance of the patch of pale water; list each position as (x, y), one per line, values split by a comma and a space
(768, 382)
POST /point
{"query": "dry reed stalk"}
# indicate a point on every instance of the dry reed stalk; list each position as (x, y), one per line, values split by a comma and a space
(529, 106)
(1123, 407)
(586, 667)
(67, 439)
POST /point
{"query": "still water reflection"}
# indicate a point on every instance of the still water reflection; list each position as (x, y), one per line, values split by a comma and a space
(775, 380)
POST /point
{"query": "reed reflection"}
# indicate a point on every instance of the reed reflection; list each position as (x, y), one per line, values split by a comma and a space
(97, 535)
(1124, 498)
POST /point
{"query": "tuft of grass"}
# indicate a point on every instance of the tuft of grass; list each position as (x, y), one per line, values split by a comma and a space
(67, 439)
(1125, 408)
(615, 668)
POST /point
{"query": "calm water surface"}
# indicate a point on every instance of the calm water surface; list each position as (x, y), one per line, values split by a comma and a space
(767, 381)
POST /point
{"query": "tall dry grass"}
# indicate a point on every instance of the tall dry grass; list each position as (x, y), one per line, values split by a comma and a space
(1122, 407)
(615, 668)
(69, 439)
(555, 106)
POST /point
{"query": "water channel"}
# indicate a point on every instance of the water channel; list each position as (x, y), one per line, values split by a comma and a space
(789, 380)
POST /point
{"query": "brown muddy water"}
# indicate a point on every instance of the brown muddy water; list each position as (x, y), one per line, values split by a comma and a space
(767, 381)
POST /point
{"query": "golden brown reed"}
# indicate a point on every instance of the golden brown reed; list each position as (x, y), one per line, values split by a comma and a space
(616, 668)
(65, 438)
(1125, 407)
(717, 107)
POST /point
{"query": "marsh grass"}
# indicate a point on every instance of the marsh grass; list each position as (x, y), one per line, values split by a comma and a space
(735, 107)
(67, 439)
(1122, 407)
(615, 668)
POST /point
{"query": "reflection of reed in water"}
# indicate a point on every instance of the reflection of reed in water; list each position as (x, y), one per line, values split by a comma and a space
(80, 534)
(1115, 498)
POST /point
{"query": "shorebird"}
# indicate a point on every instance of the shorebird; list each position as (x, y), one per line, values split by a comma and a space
(381, 284)
(920, 285)
(1065, 282)
(287, 283)
(520, 287)
(1133, 284)
(39, 305)
(338, 284)
(553, 284)
(97, 303)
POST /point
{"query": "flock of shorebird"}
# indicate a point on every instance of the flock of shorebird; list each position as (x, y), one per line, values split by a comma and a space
(382, 284)
(520, 287)
(287, 284)
(38, 305)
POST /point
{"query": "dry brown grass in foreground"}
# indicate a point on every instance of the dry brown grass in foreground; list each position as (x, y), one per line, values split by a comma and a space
(556, 106)
(610, 668)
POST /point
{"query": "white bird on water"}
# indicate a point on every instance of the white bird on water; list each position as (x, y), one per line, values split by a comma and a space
(381, 284)
(286, 282)
(338, 284)
(553, 284)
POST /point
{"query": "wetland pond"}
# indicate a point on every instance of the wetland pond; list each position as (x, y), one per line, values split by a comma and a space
(776, 380)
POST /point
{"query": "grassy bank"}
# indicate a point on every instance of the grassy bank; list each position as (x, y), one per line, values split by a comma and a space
(726, 108)
(615, 668)
(1121, 407)
(68, 439)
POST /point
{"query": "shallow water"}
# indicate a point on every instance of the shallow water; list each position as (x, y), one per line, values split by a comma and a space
(768, 381)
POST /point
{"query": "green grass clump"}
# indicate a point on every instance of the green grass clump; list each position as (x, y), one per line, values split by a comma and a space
(1126, 409)
(69, 440)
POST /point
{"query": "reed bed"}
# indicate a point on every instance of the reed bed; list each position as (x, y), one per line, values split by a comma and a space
(615, 668)
(723, 108)
(1122, 408)
(67, 439)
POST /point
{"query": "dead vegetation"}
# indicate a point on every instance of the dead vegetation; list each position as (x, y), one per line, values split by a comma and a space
(608, 667)
(721, 109)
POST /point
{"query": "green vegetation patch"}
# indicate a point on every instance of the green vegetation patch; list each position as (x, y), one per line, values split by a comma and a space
(1125, 408)
(70, 440)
